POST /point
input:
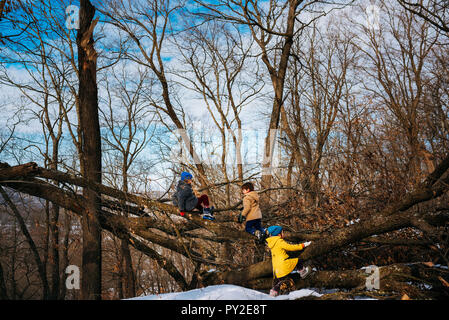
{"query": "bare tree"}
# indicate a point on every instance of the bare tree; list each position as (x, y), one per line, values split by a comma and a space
(316, 90)
(433, 11)
(218, 58)
(91, 151)
(346, 127)
(274, 28)
(31, 243)
(399, 67)
(147, 25)
(129, 122)
(44, 87)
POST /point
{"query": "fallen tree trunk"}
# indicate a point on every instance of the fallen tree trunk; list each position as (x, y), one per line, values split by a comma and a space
(387, 220)
(136, 230)
(24, 170)
(133, 228)
(118, 225)
(377, 224)
(395, 278)
(59, 196)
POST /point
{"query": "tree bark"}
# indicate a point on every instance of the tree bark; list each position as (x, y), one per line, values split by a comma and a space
(91, 152)
(33, 247)
(3, 292)
(392, 278)
(7, 172)
(278, 81)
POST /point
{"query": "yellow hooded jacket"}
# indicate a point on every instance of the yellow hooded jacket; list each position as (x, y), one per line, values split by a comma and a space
(282, 265)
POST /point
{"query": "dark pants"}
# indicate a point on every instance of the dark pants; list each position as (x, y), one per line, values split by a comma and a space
(252, 225)
(203, 201)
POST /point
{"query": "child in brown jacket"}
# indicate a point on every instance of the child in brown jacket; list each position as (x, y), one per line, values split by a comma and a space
(251, 212)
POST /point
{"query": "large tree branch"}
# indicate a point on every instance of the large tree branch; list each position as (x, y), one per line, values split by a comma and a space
(152, 205)
(393, 217)
(392, 278)
(24, 170)
(143, 227)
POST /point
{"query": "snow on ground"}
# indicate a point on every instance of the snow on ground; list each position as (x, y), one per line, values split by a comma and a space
(227, 292)
(234, 292)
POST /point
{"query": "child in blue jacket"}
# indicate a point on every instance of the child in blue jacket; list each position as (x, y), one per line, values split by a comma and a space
(185, 199)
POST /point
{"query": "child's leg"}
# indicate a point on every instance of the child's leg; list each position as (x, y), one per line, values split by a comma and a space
(301, 268)
(203, 202)
(258, 226)
(299, 265)
(249, 226)
(296, 254)
(275, 284)
(283, 285)
(252, 225)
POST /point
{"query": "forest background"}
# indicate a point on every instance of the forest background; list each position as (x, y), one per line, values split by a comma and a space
(336, 110)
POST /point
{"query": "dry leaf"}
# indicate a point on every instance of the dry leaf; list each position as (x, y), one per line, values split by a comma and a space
(405, 297)
(429, 264)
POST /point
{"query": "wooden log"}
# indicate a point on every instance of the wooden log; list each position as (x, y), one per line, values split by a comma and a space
(395, 278)
(16, 172)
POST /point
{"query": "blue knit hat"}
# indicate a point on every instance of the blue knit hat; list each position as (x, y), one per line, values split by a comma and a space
(274, 230)
(186, 175)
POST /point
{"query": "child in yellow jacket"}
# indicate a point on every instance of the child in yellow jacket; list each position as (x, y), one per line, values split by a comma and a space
(283, 263)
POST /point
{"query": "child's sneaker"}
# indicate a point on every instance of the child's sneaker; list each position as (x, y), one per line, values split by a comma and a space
(261, 235)
(274, 293)
(207, 214)
(304, 272)
(208, 217)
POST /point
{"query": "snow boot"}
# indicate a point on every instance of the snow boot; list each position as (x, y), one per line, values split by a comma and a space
(260, 235)
(284, 286)
(304, 272)
(274, 293)
(208, 213)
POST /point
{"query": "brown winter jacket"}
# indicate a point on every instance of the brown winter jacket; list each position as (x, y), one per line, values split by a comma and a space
(251, 208)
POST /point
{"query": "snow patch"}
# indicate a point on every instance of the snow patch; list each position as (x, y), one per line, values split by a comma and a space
(227, 292)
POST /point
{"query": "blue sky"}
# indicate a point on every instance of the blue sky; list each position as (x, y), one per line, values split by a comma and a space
(255, 127)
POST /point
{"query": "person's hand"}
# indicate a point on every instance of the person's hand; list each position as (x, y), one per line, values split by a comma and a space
(306, 244)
